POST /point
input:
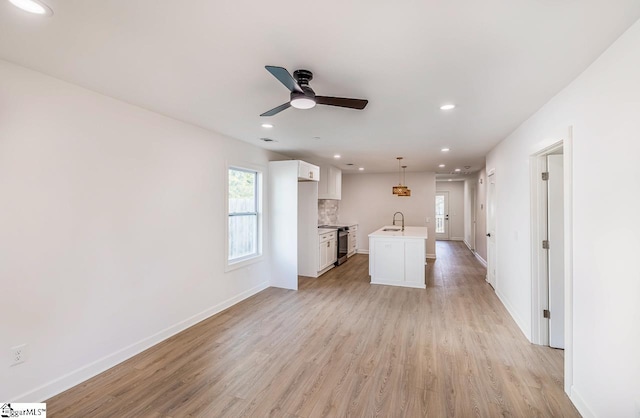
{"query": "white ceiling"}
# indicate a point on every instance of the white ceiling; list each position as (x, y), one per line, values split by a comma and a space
(203, 62)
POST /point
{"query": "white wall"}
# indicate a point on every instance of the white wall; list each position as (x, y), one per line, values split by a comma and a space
(112, 230)
(603, 106)
(367, 200)
(456, 207)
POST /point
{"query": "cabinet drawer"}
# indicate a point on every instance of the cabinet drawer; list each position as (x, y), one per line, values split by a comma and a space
(327, 237)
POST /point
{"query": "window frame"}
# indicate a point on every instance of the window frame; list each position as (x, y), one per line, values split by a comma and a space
(259, 200)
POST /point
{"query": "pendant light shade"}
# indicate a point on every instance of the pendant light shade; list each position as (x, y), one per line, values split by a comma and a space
(401, 189)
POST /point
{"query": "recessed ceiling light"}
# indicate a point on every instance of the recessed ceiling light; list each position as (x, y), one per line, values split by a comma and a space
(449, 180)
(361, 168)
(336, 156)
(445, 150)
(441, 166)
(457, 169)
(267, 125)
(447, 106)
(33, 6)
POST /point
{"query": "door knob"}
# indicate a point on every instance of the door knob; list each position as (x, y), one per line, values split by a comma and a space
(489, 234)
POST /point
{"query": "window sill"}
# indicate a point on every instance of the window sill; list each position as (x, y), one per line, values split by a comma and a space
(243, 263)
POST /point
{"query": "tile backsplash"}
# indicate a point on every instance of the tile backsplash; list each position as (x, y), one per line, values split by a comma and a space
(328, 211)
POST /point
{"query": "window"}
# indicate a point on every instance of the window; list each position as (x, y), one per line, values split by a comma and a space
(244, 214)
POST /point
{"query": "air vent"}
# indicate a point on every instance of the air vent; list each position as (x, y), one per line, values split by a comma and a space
(349, 164)
(268, 140)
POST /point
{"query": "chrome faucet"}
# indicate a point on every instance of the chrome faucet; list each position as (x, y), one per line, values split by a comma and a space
(394, 219)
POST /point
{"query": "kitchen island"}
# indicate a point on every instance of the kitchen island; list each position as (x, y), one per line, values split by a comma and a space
(397, 257)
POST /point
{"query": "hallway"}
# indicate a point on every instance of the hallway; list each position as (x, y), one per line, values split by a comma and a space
(342, 347)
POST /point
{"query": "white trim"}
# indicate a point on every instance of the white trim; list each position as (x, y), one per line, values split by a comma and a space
(431, 256)
(468, 245)
(568, 261)
(456, 239)
(71, 379)
(259, 256)
(580, 404)
(360, 251)
(400, 284)
(516, 318)
(482, 260)
(326, 269)
(538, 226)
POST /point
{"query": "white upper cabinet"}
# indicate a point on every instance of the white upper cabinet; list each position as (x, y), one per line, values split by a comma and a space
(308, 172)
(330, 186)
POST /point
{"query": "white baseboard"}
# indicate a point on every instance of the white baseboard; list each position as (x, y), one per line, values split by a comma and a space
(519, 322)
(580, 404)
(468, 246)
(431, 256)
(482, 260)
(359, 251)
(401, 284)
(71, 379)
(456, 239)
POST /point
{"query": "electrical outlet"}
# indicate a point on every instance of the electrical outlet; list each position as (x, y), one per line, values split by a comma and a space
(18, 354)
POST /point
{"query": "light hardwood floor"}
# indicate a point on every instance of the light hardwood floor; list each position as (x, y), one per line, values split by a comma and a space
(342, 347)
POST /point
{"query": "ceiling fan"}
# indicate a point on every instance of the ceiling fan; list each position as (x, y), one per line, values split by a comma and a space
(303, 96)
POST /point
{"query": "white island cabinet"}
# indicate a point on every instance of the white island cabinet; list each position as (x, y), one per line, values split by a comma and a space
(397, 257)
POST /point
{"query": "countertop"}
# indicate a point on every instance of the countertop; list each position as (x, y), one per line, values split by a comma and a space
(409, 232)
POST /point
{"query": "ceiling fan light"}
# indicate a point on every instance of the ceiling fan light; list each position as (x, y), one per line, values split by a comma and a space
(303, 103)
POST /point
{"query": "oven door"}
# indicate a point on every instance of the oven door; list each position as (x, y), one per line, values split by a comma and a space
(343, 246)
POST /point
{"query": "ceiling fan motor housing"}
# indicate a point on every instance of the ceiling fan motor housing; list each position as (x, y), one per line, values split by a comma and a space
(303, 77)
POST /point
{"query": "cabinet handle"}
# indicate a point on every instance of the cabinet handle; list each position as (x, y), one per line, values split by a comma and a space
(310, 174)
(328, 244)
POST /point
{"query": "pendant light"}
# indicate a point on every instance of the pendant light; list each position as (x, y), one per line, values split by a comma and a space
(400, 189)
(406, 191)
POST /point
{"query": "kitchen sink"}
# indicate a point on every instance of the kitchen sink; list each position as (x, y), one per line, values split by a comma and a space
(390, 229)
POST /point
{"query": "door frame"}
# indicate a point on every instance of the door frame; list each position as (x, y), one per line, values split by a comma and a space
(539, 278)
(473, 217)
(492, 260)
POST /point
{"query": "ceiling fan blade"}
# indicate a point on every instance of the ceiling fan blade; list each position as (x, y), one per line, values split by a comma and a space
(277, 109)
(284, 77)
(342, 102)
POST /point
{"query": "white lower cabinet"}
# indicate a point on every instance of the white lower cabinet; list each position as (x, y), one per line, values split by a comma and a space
(352, 245)
(398, 260)
(327, 250)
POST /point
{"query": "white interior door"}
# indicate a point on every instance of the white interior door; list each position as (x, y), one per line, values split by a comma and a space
(555, 236)
(491, 230)
(442, 215)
